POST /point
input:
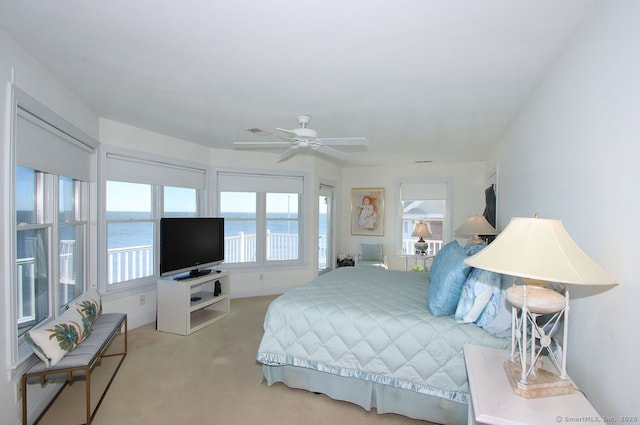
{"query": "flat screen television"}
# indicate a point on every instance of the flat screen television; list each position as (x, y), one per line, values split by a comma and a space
(190, 245)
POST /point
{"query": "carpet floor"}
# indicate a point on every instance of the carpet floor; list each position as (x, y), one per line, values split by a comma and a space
(209, 377)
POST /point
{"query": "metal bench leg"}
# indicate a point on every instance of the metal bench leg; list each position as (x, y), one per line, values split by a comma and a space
(88, 391)
(24, 400)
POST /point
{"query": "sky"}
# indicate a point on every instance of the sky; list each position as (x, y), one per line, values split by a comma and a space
(137, 197)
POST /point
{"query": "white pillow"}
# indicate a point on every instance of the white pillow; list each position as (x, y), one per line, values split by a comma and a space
(478, 289)
(89, 306)
(53, 340)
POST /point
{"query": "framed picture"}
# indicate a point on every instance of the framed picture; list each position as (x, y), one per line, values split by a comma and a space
(367, 212)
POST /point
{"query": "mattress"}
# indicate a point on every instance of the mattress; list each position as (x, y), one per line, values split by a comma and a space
(372, 325)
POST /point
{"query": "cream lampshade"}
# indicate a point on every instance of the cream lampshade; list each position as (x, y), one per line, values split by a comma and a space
(538, 251)
(422, 231)
(475, 226)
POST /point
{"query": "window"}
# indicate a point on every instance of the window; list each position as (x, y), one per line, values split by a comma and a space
(131, 219)
(180, 202)
(427, 203)
(262, 218)
(32, 248)
(282, 226)
(130, 224)
(326, 216)
(140, 191)
(72, 239)
(239, 210)
(51, 196)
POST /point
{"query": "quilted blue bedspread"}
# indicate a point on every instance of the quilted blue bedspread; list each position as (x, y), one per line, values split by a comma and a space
(374, 325)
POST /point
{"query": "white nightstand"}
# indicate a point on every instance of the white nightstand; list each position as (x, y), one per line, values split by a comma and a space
(415, 258)
(492, 401)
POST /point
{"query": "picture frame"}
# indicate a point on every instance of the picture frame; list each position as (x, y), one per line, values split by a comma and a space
(367, 211)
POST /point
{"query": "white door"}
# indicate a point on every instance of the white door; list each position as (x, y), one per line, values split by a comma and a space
(325, 229)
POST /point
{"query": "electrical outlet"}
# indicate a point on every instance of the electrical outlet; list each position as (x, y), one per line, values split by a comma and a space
(17, 391)
(141, 300)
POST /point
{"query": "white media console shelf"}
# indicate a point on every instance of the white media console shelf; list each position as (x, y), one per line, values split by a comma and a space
(185, 306)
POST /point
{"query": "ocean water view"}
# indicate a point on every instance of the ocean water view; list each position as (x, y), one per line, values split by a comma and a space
(126, 234)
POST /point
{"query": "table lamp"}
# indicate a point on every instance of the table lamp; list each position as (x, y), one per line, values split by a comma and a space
(475, 226)
(538, 251)
(422, 231)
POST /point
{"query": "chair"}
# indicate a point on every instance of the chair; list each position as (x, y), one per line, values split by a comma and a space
(370, 255)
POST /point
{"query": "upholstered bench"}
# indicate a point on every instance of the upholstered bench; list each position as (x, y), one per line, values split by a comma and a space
(80, 360)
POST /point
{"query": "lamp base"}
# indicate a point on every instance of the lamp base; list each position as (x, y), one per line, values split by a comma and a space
(421, 247)
(543, 384)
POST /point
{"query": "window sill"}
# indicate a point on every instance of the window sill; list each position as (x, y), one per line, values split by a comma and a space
(112, 294)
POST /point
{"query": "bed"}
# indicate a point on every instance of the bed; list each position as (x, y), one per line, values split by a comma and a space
(366, 336)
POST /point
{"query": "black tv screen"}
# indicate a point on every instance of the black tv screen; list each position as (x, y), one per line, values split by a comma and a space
(191, 245)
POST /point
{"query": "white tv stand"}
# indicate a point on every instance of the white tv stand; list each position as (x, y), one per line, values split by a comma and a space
(185, 306)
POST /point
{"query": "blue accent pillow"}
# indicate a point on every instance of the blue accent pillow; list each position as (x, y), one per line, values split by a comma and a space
(473, 248)
(479, 298)
(448, 274)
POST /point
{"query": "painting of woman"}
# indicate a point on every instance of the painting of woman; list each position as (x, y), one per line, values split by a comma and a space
(367, 209)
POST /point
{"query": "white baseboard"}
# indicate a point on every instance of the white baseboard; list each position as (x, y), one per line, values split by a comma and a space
(137, 320)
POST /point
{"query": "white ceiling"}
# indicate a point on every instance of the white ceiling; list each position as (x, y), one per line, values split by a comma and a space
(421, 79)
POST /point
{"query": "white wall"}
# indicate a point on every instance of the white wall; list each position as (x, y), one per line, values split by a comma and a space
(573, 154)
(467, 186)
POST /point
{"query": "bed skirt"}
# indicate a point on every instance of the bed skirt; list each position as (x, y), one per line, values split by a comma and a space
(368, 395)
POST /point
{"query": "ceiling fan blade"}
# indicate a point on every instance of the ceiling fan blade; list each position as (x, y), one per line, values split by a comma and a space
(334, 153)
(344, 141)
(291, 132)
(288, 153)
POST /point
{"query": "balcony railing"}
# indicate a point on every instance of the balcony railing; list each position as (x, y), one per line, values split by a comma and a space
(26, 290)
(433, 246)
(137, 261)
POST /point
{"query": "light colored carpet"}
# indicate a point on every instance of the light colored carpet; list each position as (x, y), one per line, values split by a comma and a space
(209, 377)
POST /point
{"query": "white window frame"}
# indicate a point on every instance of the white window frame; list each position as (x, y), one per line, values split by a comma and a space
(261, 188)
(127, 165)
(49, 144)
(446, 226)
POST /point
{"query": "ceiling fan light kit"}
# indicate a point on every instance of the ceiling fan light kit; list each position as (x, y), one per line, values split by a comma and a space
(304, 139)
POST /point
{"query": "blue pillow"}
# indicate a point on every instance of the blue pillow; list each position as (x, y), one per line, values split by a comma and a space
(480, 289)
(472, 248)
(442, 256)
(448, 273)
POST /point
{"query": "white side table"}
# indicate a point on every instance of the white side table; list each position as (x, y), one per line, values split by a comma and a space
(415, 258)
(493, 402)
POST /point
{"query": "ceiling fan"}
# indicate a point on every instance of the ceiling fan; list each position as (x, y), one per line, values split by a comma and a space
(304, 139)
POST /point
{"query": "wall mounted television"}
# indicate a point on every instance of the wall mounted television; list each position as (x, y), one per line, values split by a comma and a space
(190, 246)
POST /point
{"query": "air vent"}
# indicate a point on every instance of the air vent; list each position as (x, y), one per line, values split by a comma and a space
(258, 131)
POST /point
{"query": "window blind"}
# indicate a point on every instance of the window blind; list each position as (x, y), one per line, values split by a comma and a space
(129, 168)
(42, 146)
(271, 183)
(423, 191)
